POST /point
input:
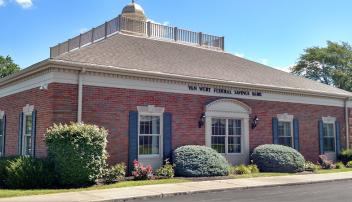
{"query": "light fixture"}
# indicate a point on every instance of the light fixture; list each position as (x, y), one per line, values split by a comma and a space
(255, 122)
(201, 120)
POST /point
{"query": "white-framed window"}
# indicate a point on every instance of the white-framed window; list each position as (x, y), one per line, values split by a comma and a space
(27, 135)
(27, 130)
(226, 135)
(329, 134)
(150, 122)
(149, 135)
(285, 130)
(2, 135)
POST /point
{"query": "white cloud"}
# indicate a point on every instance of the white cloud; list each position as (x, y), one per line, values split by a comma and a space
(166, 23)
(241, 55)
(2, 2)
(265, 61)
(83, 30)
(25, 3)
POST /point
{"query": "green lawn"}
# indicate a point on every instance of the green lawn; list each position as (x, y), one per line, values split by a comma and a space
(4, 193)
(323, 171)
(259, 175)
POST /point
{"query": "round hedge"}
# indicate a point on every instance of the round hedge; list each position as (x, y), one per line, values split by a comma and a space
(78, 152)
(277, 158)
(199, 161)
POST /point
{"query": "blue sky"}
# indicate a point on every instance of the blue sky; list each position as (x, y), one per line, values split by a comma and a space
(273, 32)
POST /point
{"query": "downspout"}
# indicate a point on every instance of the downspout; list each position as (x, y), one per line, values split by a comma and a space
(80, 95)
(347, 124)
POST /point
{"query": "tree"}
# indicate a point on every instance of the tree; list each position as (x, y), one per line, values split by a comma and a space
(7, 66)
(331, 65)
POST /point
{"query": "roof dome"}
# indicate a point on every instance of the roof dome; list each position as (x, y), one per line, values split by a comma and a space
(133, 10)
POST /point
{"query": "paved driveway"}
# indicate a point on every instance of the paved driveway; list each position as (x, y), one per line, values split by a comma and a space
(323, 192)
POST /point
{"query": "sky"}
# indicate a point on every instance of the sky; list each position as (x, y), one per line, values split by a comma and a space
(271, 32)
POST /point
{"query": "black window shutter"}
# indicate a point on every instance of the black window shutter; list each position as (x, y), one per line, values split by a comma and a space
(4, 135)
(167, 136)
(296, 134)
(321, 136)
(338, 135)
(132, 139)
(20, 133)
(34, 131)
(275, 129)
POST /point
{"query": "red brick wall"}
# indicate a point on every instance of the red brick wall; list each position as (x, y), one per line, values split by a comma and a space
(109, 107)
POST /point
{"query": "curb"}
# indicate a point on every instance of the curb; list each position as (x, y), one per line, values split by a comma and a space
(162, 196)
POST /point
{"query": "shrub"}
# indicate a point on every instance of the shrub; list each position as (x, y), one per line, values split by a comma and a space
(78, 152)
(253, 168)
(325, 163)
(241, 170)
(345, 155)
(141, 172)
(115, 173)
(311, 167)
(4, 161)
(340, 165)
(349, 164)
(199, 161)
(29, 173)
(166, 171)
(277, 158)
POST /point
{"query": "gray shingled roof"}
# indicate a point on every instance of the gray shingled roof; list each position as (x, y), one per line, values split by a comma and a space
(166, 57)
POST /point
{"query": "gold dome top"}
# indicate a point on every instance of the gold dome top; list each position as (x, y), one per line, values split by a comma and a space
(134, 10)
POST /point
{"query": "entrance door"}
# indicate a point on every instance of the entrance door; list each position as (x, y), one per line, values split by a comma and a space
(150, 138)
(227, 129)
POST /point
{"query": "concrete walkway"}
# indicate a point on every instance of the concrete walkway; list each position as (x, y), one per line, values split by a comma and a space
(164, 190)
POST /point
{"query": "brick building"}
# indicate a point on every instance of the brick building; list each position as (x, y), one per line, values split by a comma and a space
(156, 88)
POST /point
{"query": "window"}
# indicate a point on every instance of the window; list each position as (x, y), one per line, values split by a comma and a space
(27, 135)
(226, 135)
(285, 133)
(149, 135)
(329, 137)
(2, 143)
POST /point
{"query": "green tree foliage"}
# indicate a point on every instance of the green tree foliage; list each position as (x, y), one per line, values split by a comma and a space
(7, 66)
(330, 65)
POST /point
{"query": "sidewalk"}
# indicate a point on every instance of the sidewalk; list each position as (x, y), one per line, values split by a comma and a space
(164, 190)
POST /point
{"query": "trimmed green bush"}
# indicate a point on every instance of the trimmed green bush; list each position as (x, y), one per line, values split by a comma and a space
(340, 165)
(241, 170)
(115, 173)
(277, 158)
(78, 152)
(29, 173)
(199, 161)
(4, 161)
(345, 155)
(349, 164)
(311, 167)
(253, 168)
(166, 171)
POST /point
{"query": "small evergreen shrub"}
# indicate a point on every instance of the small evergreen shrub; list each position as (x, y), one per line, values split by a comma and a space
(141, 172)
(166, 171)
(115, 173)
(4, 161)
(311, 167)
(349, 164)
(241, 170)
(78, 152)
(29, 173)
(340, 165)
(253, 168)
(345, 156)
(199, 161)
(277, 158)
